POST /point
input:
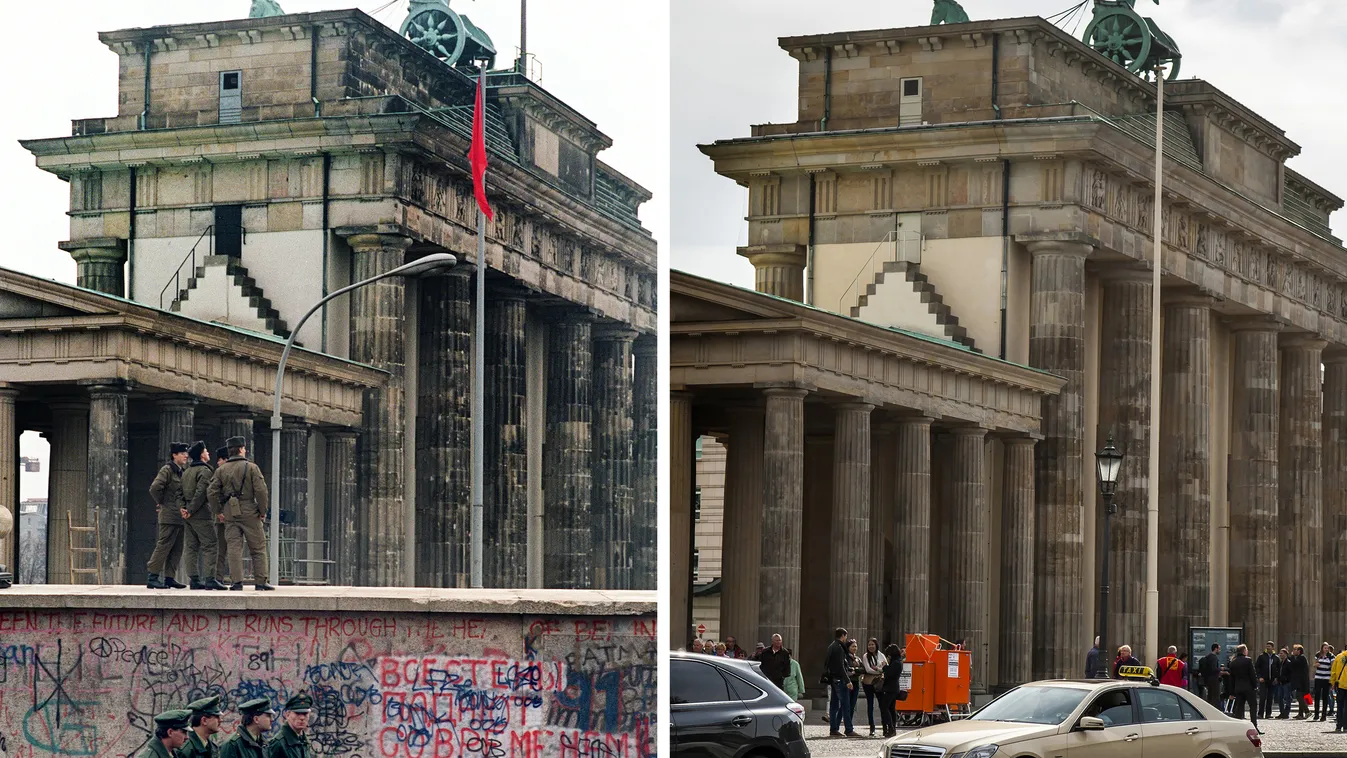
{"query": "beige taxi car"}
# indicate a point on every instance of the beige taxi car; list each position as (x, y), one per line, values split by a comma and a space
(1085, 718)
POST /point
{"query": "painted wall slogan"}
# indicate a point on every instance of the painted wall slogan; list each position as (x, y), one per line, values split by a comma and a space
(88, 683)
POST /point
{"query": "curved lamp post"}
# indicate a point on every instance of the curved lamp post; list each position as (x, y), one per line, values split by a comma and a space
(430, 264)
(1108, 462)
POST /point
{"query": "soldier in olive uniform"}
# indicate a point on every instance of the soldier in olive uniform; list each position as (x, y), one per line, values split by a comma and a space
(217, 521)
(167, 493)
(239, 492)
(247, 741)
(205, 724)
(170, 733)
(201, 544)
(293, 740)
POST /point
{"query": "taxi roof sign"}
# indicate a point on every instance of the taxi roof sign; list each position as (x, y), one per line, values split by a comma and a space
(1136, 672)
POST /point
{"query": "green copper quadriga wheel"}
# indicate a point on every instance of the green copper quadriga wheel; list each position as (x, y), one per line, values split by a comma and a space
(1120, 35)
(437, 29)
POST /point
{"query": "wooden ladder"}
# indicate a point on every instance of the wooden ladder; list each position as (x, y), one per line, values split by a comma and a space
(97, 570)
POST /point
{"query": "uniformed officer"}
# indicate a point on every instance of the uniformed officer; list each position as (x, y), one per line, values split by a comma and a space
(167, 493)
(293, 740)
(239, 493)
(170, 733)
(217, 521)
(205, 724)
(247, 741)
(201, 544)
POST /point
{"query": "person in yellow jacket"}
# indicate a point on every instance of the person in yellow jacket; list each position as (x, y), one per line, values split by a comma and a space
(1337, 677)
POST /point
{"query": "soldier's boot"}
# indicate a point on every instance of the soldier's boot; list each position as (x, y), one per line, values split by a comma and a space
(264, 586)
(195, 583)
(236, 586)
(155, 583)
(212, 583)
(172, 583)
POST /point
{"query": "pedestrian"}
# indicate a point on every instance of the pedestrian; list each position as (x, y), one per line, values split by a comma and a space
(1170, 668)
(775, 662)
(1244, 684)
(1209, 672)
(1125, 658)
(199, 521)
(839, 685)
(1338, 678)
(239, 493)
(890, 684)
(1284, 682)
(1323, 669)
(794, 682)
(1300, 680)
(205, 723)
(872, 668)
(293, 739)
(217, 521)
(732, 647)
(247, 741)
(167, 493)
(1187, 670)
(854, 670)
(170, 732)
(695, 646)
(1268, 667)
(1093, 666)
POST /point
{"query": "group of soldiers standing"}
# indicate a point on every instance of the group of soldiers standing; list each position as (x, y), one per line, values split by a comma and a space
(205, 506)
(187, 733)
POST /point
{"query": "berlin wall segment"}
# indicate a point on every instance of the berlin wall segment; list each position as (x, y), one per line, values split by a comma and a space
(88, 682)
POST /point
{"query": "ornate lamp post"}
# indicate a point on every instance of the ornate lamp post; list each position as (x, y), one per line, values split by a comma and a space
(1109, 462)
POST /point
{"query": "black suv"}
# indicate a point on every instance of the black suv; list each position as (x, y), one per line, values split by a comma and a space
(727, 708)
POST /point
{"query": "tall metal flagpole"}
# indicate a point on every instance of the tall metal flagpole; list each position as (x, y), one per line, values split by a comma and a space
(479, 382)
(1153, 469)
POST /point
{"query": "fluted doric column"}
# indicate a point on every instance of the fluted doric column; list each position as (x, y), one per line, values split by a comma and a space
(851, 571)
(1016, 639)
(682, 475)
(741, 558)
(294, 483)
(1124, 414)
(568, 557)
(68, 486)
(645, 532)
(9, 471)
(109, 445)
(505, 524)
(100, 264)
(444, 431)
(783, 512)
(778, 269)
(1057, 345)
(236, 423)
(1335, 494)
(1185, 467)
(339, 500)
(176, 424)
(912, 526)
(378, 313)
(1255, 407)
(613, 463)
(969, 510)
(882, 454)
(1300, 492)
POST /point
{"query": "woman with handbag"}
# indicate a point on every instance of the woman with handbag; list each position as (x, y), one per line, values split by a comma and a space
(890, 689)
(872, 670)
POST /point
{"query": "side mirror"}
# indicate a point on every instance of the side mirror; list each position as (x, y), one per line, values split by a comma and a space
(1090, 724)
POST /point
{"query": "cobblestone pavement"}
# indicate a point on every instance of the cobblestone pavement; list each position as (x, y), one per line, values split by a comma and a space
(1289, 736)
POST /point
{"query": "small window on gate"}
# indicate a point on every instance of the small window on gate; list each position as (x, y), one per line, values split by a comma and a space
(911, 87)
(230, 80)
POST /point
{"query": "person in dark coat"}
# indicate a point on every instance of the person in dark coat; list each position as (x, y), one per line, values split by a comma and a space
(1284, 685)
(170, 733)
(1125, 658)
(1244, 684)
(838, 673)
(1093, 666)
(248, 740)
(166, 490)
(205, 724)
(293, 739)
(1300, 679)
(890, 689)
(1209, 671)
(1268, 667)
(775, 662)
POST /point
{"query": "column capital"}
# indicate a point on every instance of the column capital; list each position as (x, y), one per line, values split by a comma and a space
(1332, 354)
(175, 401)
(611, 332)
(69, 405)
(1259, 323)
(969, 431)
(107, 249)
(372, 242)
(559, 314)
(103, 388)
(788, 255)
(854, 405)
(1139, 273)
(1058, 243)
(1302, 341)
(1187, 296)
(340, 434)
(8, 391)
(646, 346)
(1021, 440)
(799, 392)
(925, 421)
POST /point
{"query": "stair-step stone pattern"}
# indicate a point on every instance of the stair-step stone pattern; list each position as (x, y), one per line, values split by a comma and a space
(922, 286)
(224, 292)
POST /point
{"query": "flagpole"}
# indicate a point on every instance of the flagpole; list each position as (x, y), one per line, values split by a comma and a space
(1153, 645)
(479, 379)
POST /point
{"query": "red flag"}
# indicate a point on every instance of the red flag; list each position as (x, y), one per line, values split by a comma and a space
(477, 155)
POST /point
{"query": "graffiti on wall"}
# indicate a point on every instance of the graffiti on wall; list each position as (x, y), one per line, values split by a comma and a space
(88, 683)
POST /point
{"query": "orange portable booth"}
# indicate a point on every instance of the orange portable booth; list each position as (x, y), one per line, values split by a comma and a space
(936, 680)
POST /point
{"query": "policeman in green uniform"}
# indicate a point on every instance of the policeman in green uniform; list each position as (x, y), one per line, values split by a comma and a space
(170, 733)
(205, 724)
(247, 741)
(200, 524)
(240, 493)
(293, 740)
(167, 493)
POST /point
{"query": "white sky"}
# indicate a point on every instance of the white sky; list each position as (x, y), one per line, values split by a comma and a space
(608, 59)
(1280, 58)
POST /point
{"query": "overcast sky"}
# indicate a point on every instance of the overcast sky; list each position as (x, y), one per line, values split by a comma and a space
(1284, 60)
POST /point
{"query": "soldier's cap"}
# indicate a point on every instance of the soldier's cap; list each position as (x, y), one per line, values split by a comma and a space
(198, 448)
(236, 442)
(255, 706)
(176, 719)
(206, 706)
(299, 703)
(222, 454)
(178, 447)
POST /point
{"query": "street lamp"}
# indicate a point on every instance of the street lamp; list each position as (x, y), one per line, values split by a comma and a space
(425, 265)
(1108, 461)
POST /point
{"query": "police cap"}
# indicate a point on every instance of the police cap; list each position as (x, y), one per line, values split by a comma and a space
(176, 719)
(255, 707)
(206, 706)
(299, 703)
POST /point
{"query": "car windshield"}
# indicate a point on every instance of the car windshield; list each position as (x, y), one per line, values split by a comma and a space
(1033, 705)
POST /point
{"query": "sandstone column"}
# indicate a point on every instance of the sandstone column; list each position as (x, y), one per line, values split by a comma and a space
(1253, 480)
(1335, 494)
(783, 510)
(568, 556)
(1124, 414)
(176, 424)
(339, 498)
(912, 526)
(378, 313)
(778, 269)
(741, 558)
(882, 454)
(107, 475)
(850, 571)
(444, 431)
(237, 423)
(645, 531)
(1185, 467)
(1299, 501)
(505, 523)
(969, 510)
(294, 484)
(612, 458)
(9, 472)
(100, 264)
(1057, 345)
(1016, 644)
(682, 474)
(68, 487)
